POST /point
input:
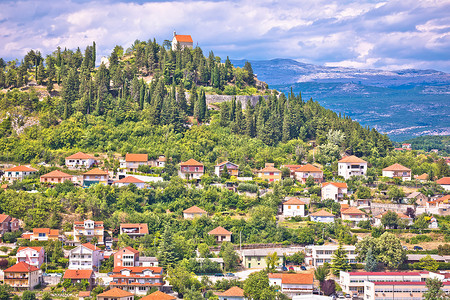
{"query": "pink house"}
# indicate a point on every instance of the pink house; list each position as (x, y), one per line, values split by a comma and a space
(191, 169)
(33, 256)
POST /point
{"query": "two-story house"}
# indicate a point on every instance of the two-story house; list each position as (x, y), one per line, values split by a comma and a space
(77, 276)
(22, 276)
(194, 212)
(353, 214)
(115, 294)
(334, 190)
(85, 257)
(8, 224)
(444, 182)
(352, 166)
(293, 284)
(56, 176)
(133, 161)
(270, 173)
(18, 173)
(89, 229)
(137, 280)
(294, 207)
(80, 160)
(134, 230)
(302, 173)
(126, 257)
(33, 256)
(95, 176)
(232, 168)
(318, 255)
(291, 168)
(44, 234)
(191, 169)
(397, 171)
(221, 234)
(182, 40)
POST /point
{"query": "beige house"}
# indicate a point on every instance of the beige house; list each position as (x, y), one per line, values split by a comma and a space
(133, 161)
(22, 276)
(56, 176)
(302, 173)
(221, 234)
(397, 171)
(89, 229)
(193, 212)
(353, 214)
(270, 173)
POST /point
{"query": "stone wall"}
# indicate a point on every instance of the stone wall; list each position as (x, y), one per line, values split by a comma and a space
(379, 208)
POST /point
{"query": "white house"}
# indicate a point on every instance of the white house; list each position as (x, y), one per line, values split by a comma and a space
(80, 160)
(183, 40)
(322, 216)
(397, 171)
(18, 173)
(193, 212)
(294, 207)
(318, 255)
(233, 169)
(293, 284)
(352, 166)
(334, 190)
(130, 180)
(444, 182)
(85, 257)
(34, 256)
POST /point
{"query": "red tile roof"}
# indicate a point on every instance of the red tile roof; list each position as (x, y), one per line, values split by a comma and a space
(444, 181)
(352, 159)
(287, 278)
(56, 174)
(21, 267)
(131, 249)
(219, 231)
(387, 273)
(84, 294)
(143, 227)
(21, 169)
(397, 167)
(269, 169)
(308, 168)
(158, 295)
(90, 246)
(353, 211)
(129, 179)
(115, 293)
(48, 231)
(424, 176)
(294, 201)
(38, 249)
(80, 155)
(3, 218)
(322, 213)
(234, 291)
(78, 274)
(156, 270)
(341, 185)
(183, 38)
(96, 171)
(194, 210)
(136, 157)
(191, 162)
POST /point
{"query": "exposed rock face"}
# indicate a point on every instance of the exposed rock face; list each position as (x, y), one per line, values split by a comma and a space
(223, 98)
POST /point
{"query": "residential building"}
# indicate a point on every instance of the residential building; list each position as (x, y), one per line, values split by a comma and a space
(352, 166)
(256, 258)
(397, 171)
(421, 178)
(404, 218)
(77, 276)
(233, 169)
(82, 295)
(182, 40)
(406, 146)
(398, 290)
(133, 161)
(137, 280)
(85, 257)
(334, 190)
(148, 261)
(126, 181)
(8, 224)
(270, 173)
(193, 212)
(304, 172)
(294, 207)
(134, 230)
(221, 234)
(22, 276)
(293, 284)
(95, 176)
(89, 229)
(18, 173)
(161, 161)
(421, 199)
(44, 234)
(158, 295)
(353, 214)
(191, 169)
(34, 256)
(292, 169)
(322, 216)
(80, 160)
(318, 255)
(56, 176)
(233, 293)
(126, 257)
(444, 182)
(115, 294)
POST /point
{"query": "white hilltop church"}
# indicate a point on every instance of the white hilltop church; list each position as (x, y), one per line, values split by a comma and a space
(184, 40)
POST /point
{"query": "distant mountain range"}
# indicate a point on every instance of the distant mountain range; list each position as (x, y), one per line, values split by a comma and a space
(403, 103)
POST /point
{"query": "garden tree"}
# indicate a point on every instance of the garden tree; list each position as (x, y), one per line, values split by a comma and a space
(256, 286)
(444, 249)
(182, 280)
(5, 292)
(321, 273)
(377, 231)
(46, 296)
(390, 219)
(271, 262)
(363, 192)
(310, 181)
(395, 193)
(298, 257)
(371, 263)
(339, 260)
(428, 263)
(224, 173)
(410, 212)
(28, 295)
(328, 287)
(422, 222)
(434, 290)
(387, 249)
(306, 235)
(193, 294)
(203, 250)
(365, 224)
(230, 257)
(167, 255)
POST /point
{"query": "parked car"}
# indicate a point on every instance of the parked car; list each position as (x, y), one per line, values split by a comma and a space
(284, 269)
(229, 275)
(218, 275)
(291, 268)
(417, 248)
(348, 296)
(303, 268)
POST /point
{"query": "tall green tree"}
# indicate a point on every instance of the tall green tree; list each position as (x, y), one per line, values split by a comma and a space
(434, 290)
(339, 260)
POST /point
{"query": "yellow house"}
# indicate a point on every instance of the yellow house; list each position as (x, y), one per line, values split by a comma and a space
(270, 173)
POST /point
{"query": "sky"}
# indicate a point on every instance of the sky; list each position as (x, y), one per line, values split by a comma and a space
(361, 34)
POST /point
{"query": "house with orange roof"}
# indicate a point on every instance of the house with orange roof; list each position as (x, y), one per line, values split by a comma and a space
(34, 256)
(18, 173)
(56, 176)
(115, 294)
(83, 295)
(353, 214)
(302, 173)
(22, 276)
(444, 182)
(126, 181)
(322, 216)
(8, 224)
(132, 162)
(397, 171)
(334, 190)
(420, 198)
(233, 293)
(158, 295)
(191, 169)
(406, 219)
(89, 229)
(442, 202)
(95, 176)
(293, 284)
(291, 168)
(77, 276)
(160, 162)
(44, 234)
(270, 173)
(80, 160)
(194, 212)
(126, 257)
(294, 207)
(421, 178)
(134, 230)
(233, 169)
(221, 234)
(182, 40)
(138, 280)
(85, 257)
(352, 166)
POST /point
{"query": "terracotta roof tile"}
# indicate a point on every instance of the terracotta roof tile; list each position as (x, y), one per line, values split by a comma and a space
(21, 169)
(191, 162)
(294, 278)
(322, 213)
(308, 168)
(136, 157)
(158, 295)
(78, 274)
(396, 167)
(444, 181)
(194, 210)
(131, 249)
(115, 293)
(50, 232)
(294, 201)
(424, 176)
(156, 270)
(341, 185)
(143, 227)
(3, 218)
(129, 179)
(219, 231)
(352, 159)
(269, 169)
(234, 291)
(353, 211)
(56, 174)
(90, 246)
(80, 155)
(183, 38)
(84, 294)
(38, 249)
(96, 171)
(21, 267)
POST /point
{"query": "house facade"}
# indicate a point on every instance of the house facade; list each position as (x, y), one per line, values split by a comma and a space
(182, 40)
(352, 166)
(304, 172)
(137, 280)
(133, 161)
(444, 182)
(126, 257)
(77, 276)
(406, 219)
(270, 173)
(191, 169)
(293, 284)
(34, 256)
(322, 216)
(22, 276)
(397, 171)
(134, 230)
(8, 224)
(89, 229)
(334, 190)
(95, 176)
(126, 181)
(194, 212)
(233, 169)
(18, 173)
(56, 176)
(115, 294)
(85, 257)
(44, 234)
(318, 255)
(354, 215)
(80, 160)
(221, 234)
(294, 207)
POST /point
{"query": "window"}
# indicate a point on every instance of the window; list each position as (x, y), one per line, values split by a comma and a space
(289, 207)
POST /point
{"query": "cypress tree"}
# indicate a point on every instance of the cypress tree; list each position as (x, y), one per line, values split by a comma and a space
(339, 260)
(94, 55)
(371, 261)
